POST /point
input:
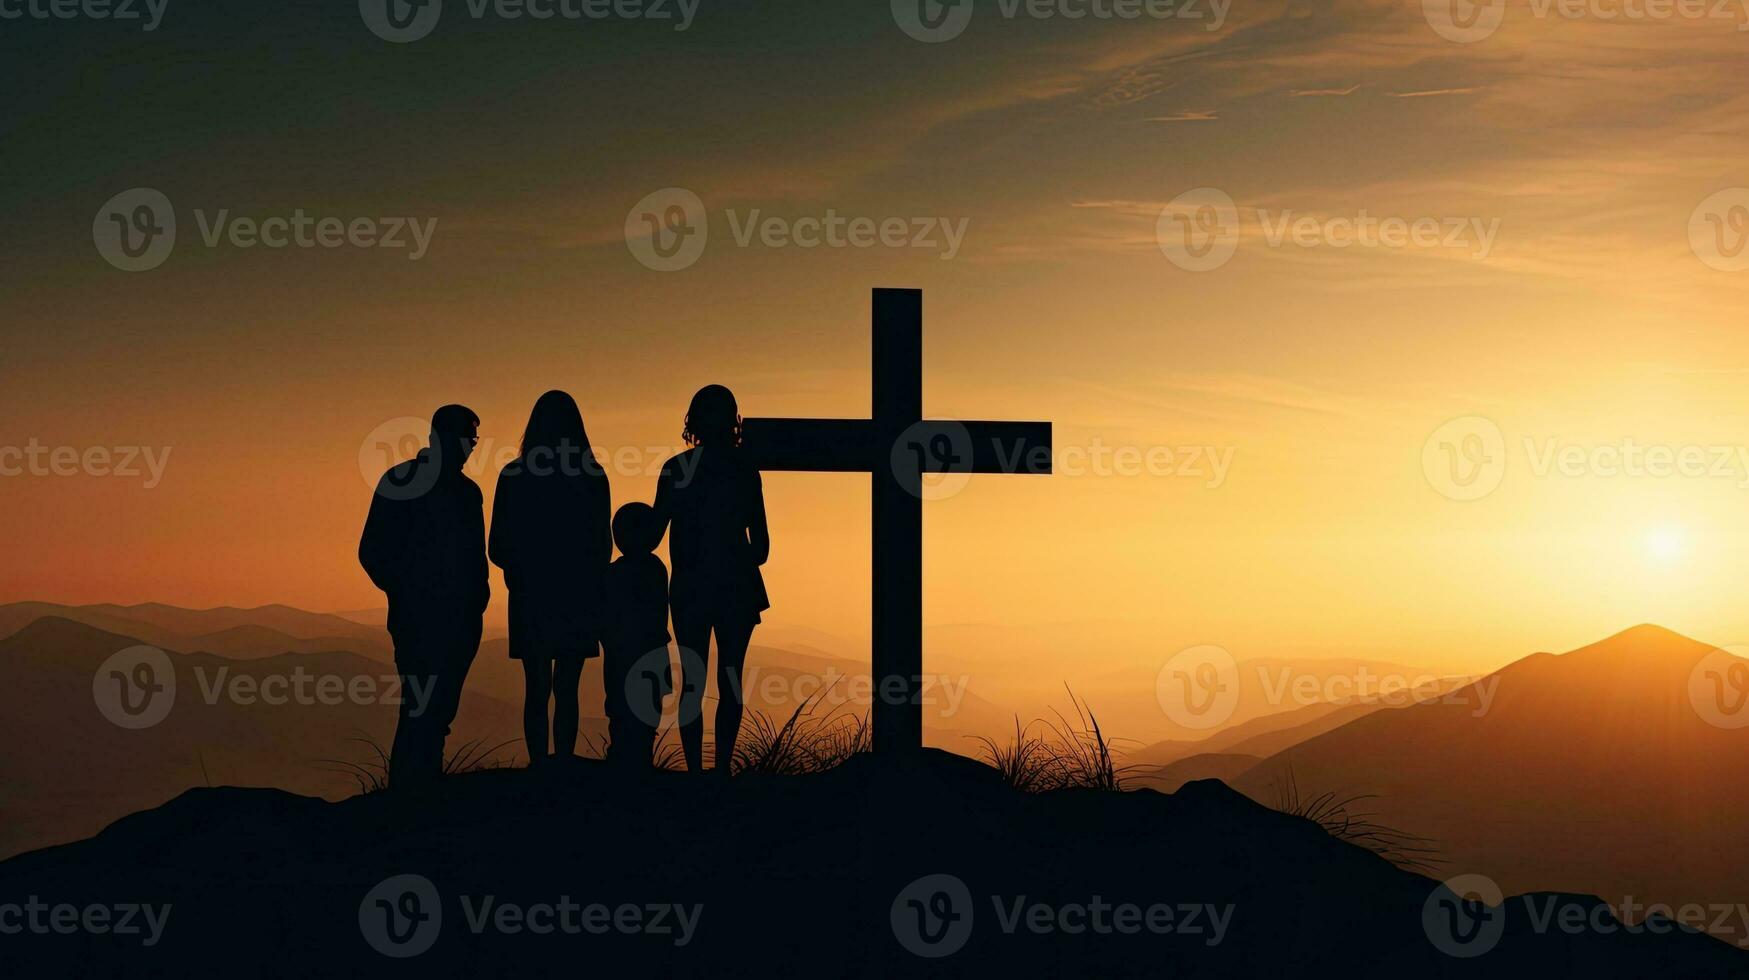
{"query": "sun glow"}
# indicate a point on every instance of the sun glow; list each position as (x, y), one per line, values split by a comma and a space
(1666, 543)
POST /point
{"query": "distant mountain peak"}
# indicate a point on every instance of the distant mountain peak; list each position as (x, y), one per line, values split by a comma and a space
(60, 627)
(1648, 643)
(1648, 633)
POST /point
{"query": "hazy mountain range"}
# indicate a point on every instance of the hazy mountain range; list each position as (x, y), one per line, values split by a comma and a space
(1592, 771)
(77, 771)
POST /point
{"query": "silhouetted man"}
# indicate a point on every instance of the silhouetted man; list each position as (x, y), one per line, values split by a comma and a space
(424, 545)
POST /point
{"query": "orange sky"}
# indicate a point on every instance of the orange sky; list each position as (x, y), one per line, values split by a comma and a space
(1317, 373)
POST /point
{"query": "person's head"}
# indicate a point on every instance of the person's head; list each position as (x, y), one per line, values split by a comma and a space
(634, 529)
(712, 419)
(555, 439)
(454, 431)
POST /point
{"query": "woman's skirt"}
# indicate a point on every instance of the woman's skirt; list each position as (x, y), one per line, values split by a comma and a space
(562, 628)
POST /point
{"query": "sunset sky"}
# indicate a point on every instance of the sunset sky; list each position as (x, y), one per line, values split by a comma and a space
(1316, 373)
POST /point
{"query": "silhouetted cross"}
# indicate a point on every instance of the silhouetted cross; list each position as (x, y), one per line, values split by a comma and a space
(897, 446)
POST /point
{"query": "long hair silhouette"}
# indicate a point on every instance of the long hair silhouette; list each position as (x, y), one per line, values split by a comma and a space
(555, 435)
(555, 422)
(712, 417)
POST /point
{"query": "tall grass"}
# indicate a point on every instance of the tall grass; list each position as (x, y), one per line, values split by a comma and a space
(805, 744)
(666, 752)
(372, 775)
(1339, 818)
(1062, 754)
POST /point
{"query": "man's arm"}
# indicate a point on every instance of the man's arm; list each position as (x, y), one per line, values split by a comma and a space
(476, 542)
(383, 546)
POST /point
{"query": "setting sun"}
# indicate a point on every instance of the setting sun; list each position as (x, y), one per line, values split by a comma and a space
(1666, 543)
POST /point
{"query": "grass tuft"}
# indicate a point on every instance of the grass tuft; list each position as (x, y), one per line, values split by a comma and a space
(372, 775)
(803, 745)
(1339, 818)
(1061, 754)
(666, 752)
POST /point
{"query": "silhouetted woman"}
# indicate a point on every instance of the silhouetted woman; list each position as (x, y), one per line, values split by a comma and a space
(550, 534)
(714, 502)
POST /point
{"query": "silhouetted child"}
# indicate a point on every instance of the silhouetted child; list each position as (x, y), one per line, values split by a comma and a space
(637, 672)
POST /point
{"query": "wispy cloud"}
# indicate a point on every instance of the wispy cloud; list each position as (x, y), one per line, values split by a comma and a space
(1189, 115)
(1302, 93)
(1435, 91)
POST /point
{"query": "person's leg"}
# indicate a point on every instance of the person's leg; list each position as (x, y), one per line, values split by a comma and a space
(446, 696)
(537, 685)
(694, 639)
(410, 754)
(406, 753)
(567, 677)
(731, 656)
(617, 744)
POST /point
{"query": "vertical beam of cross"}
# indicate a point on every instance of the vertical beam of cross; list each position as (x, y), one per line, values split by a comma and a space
(896, 500)
(895, 446)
